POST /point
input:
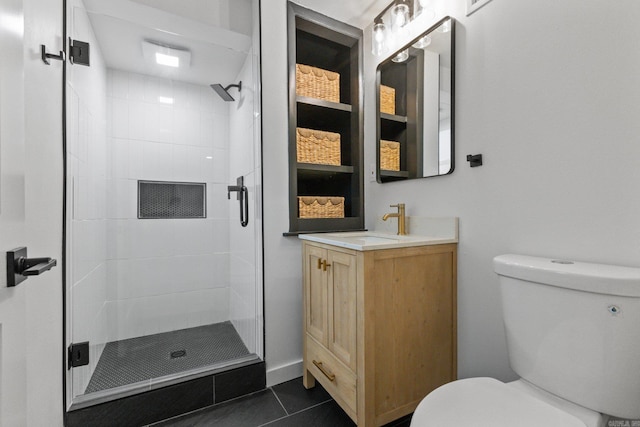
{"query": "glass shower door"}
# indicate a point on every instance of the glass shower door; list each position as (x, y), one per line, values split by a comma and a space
(163, 280)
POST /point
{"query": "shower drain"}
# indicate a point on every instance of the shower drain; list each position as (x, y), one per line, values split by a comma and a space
(178, 353)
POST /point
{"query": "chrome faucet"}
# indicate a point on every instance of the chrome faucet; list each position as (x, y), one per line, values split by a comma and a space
(401, 218)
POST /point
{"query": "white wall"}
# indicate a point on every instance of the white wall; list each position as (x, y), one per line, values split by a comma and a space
(165, 274)
(548, 92)
(282, 256)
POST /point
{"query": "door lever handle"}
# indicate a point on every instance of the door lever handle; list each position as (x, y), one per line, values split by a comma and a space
(35, 266)
(20, 267)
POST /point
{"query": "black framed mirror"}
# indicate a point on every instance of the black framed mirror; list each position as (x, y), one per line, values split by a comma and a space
(415, 107)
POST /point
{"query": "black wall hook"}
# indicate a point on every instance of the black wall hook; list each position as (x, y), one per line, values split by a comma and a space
(474, 160)
(46, 56)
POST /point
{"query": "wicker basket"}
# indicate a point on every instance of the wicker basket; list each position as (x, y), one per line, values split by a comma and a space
(387, 99)
(389, 155)
(320, 207)
(318, 147)
(317, 83)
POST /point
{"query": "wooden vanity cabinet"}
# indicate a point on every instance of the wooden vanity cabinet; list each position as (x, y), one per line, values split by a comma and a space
(379, 326)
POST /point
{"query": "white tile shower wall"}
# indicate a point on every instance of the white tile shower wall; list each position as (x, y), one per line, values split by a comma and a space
(87, 168)
(165, 274)
(246, 242)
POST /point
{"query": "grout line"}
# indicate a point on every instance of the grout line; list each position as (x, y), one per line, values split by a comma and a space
(206, 408)
(279, 401)
(295, 413)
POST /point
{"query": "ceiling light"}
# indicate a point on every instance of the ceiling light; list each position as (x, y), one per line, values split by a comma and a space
(168, 60)
(158, 53)
(165, 100)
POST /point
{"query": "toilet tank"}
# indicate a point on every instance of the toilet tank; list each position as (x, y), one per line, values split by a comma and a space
(573, 329)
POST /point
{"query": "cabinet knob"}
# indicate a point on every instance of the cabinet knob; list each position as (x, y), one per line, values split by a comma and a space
(325, 265)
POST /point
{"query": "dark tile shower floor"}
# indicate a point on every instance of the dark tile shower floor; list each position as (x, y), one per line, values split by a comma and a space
(139, 359)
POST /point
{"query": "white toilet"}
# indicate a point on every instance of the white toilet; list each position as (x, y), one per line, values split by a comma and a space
(573, 335)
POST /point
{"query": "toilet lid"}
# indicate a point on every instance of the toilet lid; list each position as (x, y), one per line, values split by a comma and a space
(487, 402)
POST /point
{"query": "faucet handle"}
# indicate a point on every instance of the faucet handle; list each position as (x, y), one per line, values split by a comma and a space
(399, 206)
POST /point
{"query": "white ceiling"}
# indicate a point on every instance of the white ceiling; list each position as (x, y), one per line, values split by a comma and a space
(359, 13)
(231, 15)
(217, 32)
(218, 47)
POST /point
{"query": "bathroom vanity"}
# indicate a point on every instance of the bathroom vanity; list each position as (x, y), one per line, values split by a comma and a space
(379, 320)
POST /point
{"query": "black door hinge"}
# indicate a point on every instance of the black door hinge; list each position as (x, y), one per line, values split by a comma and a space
(78, 52)
(78, 355)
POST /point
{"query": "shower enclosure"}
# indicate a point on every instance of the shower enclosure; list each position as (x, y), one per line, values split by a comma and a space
(163, 268)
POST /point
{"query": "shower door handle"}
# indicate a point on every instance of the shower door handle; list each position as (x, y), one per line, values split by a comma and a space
(243, 198)
(244, 206)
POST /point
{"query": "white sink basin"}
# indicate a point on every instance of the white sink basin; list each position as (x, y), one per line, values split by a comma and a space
(368, 240)
(371, 239)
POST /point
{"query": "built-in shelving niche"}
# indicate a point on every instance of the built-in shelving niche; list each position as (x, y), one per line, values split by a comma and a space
(322, 42)
(405, 78)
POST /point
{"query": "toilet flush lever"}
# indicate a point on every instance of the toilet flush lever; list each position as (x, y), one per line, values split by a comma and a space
(20, 267)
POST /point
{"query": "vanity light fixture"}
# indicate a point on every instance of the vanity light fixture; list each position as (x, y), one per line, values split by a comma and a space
(379, 41)
(445, 27)
(160, 53)
(401, 56)
(399, 16)
(391, 22)
(422, 42)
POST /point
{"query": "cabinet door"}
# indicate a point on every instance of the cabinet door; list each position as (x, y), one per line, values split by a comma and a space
(315, 286)
(342, 307)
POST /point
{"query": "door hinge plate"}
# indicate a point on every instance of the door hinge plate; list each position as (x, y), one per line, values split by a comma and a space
(79, 52)
(78, 354)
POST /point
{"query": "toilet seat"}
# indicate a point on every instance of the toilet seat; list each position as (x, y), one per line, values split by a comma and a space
(487, 402)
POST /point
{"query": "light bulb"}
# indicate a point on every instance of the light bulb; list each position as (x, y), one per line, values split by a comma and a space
(379, 44)
(399, 16)
(445, 27)
(422, 42)
(401, 56)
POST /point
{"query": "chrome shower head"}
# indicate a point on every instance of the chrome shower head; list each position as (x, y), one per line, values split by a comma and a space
(224, 91)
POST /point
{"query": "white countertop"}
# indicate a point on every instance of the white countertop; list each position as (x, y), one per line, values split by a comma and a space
(371, 240)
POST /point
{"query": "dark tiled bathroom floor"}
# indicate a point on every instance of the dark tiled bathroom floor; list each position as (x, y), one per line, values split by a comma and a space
(284, 405)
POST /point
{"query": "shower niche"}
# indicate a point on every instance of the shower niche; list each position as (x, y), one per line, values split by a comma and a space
(163, 283)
